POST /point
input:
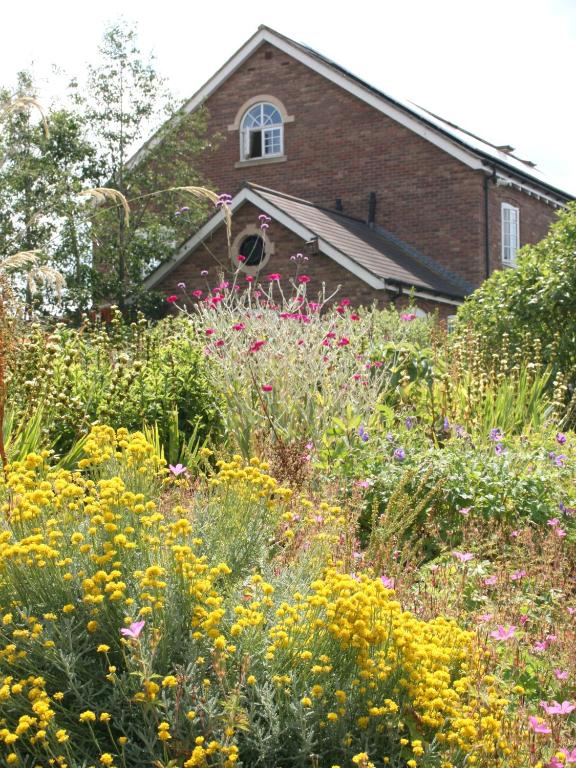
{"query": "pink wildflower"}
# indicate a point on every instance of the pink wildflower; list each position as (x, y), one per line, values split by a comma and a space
(266, 387)
(558, 709)
(273, 277)
(502, 633)
(303, 279)
(490, 581)
(517, 575)
(388, 583)
(538, 725)
(464, 557)
(343, 342)
(408, 316)
(256, 346)
(197, 294)
(134, 630)
(171, 299)
(177, 469)
(209, 331)
(561, 674)
(238, 327)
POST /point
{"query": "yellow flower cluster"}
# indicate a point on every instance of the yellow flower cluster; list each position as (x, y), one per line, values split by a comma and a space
(431, 667)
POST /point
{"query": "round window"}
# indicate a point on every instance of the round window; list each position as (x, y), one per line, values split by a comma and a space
(252, 248)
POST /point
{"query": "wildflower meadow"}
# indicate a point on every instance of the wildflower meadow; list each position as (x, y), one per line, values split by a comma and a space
(278, 530)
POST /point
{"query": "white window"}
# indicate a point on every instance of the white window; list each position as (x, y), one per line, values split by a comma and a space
(510, 234)
(261, 132)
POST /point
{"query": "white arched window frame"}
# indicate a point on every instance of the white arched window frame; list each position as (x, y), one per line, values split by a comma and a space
(261, 132)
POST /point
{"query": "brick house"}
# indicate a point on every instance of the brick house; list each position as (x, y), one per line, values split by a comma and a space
(383, 198)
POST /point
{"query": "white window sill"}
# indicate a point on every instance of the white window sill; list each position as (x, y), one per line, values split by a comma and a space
(261, 161)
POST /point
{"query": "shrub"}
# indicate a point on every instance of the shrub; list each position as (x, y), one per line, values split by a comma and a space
(126, 639)
(537, 300)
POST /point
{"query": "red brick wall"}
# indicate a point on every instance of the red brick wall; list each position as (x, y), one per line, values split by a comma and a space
(340, 147)
(535, 219)
(325, 274)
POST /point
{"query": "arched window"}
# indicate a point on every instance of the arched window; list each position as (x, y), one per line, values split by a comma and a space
(261, 132)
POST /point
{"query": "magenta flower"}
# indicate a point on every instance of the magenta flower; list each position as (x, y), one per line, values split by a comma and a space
(354, 317)
(388, 583)
(502, 633)
(490, 581)
(177, 469)
(540, 646)
(464, 557)
(249, 279)
(273, 277)
(209, 331)
(171, 299)
(408, 316)
(538, 725)
(560, 438)
(343, 342)
(485, 617)
(197, 294)
(561, 674)
(560, 532)
(303, 279)
(256, 346)
(553, 522)
(134, 630)
(266, 387)
(241, 257)
(238, 327)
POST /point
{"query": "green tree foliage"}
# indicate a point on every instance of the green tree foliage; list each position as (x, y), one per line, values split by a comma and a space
(45, 163)
(124, 97)
(537, 300)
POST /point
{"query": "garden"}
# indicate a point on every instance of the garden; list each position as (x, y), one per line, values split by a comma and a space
(266, 531)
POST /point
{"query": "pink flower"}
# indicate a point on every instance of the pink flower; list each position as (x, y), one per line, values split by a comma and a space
(171, 299)
(490, 581)
(176, 470)
(560, 532)
(540, 646)
(219, 343)
(465, 511)
(517, 575)
(354, 317)
(485, 617)
(266, 387)
(558, 709)
(134, 630)
(514, 534)
(222, 286)
(538, 725)
(249, 279)
(256, 346)
(343, 342)
(553, 522)
(561, 674)
(273, 277)
(209, 331)
(464, 557)
(197, 294)
(238, 327)
(303, 279)
(388, 583)
(204, 272)
(502, 633)
(407, 316)
(345, 302)
(240, 257)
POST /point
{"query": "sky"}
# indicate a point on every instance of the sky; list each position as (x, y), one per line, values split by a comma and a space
(502, 69)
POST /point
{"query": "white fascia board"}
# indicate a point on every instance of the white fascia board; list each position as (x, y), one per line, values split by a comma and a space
(528, 190)
(378, 102)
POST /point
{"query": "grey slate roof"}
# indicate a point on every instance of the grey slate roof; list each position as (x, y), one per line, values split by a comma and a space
(374, 248)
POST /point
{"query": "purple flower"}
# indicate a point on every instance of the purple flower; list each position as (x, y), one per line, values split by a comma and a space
(362, 434)
(182, 286)
(499, 449)
(560, 460)
(496, 434)
(399, 454)
(224, 199)
(390, 437)
(560, 438)
(409, 422)
(204, 272)
(460, 431)
(446, 424)
(134, 630)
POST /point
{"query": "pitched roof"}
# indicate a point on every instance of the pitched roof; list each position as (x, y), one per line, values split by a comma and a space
(461, 144)
(371, 253)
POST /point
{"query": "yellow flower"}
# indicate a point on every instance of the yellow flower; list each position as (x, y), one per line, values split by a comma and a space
(105, 717)
(106, 759)
(68, 608)
(169, 681)
(251, 680)
(61, 735)
(103, 648)
(87, 717)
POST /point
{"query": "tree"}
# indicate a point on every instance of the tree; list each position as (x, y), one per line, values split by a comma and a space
(45, 163)
(534, 301)
(124, 97)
